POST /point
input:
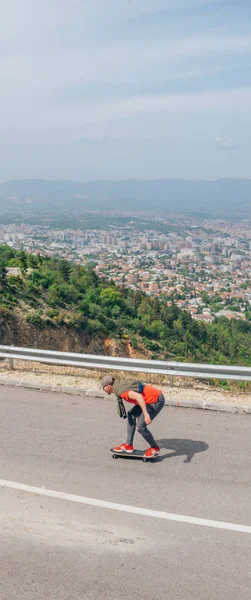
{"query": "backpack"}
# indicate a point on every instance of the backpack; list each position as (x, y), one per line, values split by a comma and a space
(121, 386)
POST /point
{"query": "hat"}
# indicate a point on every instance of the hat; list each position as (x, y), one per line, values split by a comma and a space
(107, 380)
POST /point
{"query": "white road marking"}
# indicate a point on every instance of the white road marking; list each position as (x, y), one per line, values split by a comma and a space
(125, 508)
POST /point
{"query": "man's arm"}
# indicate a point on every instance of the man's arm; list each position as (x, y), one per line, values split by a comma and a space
(141, 401)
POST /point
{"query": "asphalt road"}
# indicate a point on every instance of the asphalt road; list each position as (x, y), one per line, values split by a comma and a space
(60, 549)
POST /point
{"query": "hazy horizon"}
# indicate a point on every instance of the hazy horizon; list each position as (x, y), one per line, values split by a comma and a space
(122, 91)
(223, 196)
(123, 179)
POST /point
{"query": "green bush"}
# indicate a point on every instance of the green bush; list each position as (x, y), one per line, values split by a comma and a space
(52, 313)
(224, 384)
(36, 320)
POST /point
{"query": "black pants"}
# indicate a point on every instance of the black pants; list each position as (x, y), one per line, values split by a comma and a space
(135, 415)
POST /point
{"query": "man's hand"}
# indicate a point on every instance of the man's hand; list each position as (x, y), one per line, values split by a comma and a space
(147, 419)
(140, 400)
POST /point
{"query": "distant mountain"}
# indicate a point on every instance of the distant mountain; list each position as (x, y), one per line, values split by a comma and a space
(223, 197)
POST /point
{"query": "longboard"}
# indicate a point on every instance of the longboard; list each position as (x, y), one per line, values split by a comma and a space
(139, 454)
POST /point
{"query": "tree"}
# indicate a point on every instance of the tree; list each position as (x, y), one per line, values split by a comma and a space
(110, 296)
(33, 261)
(65, 270)
(3, 275)
(24, 263)
(205, 298)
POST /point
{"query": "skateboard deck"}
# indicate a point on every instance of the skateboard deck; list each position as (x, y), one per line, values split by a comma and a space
(139, 454)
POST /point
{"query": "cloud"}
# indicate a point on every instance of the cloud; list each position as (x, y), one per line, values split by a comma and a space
(83, 138)
(221, 101)
(135, 69)
(87, 121)
(226, 143)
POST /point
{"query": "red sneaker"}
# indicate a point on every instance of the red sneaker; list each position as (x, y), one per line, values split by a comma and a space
(124, 448)
(152, 452)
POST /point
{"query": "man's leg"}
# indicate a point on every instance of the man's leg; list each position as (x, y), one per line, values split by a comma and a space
(153, 410)
(132, 416)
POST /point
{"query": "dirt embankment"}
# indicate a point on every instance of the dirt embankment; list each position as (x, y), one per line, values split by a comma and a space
(16, 331)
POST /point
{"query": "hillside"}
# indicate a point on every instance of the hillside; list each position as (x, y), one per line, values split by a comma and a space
(223, 197)
(54, 304)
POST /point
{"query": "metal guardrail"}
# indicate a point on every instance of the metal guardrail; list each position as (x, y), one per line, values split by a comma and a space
(111, 363)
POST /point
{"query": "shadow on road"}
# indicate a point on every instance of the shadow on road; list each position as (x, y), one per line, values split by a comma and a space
(186, 448)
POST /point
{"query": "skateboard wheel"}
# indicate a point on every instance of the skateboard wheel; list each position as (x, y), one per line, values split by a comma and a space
(114, 456)
(145, 459)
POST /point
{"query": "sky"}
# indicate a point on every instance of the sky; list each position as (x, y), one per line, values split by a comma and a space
(118, 89)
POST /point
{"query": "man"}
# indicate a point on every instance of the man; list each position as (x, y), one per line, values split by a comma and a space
(148, 402)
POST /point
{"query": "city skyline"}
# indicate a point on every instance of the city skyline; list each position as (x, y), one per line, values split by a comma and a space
(203, 266)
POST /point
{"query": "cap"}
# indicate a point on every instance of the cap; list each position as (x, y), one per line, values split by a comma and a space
(107, 380)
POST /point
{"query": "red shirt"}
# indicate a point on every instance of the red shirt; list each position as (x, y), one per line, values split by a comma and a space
(150, 395)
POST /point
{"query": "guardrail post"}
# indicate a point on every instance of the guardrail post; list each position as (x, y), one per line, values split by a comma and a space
(171, 380)
(11, 364)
